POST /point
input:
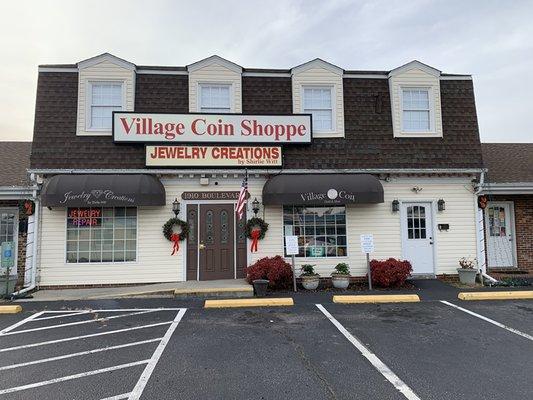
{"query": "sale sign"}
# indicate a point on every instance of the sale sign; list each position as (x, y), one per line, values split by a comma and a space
(213, 156)
(131, 127)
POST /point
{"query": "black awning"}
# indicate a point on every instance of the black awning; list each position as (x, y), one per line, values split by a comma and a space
(102, 191)
(322, 189)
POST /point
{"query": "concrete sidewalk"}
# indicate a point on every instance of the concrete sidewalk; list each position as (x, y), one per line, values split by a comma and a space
(233, 287)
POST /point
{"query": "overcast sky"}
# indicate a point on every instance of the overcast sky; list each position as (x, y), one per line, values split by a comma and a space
(492, 40)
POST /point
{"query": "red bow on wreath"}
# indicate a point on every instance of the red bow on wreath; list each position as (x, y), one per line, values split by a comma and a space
(255, 239)
(175, 238)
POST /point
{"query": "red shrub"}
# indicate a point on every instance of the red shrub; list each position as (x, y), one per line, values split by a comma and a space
(275, 269)
(390, 273)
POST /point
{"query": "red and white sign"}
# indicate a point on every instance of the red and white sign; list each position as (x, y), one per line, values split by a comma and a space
(130, 127)
(213, 156)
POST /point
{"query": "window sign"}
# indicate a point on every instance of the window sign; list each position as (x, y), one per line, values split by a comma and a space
(84, 216)
(367, 243)
(291, 245)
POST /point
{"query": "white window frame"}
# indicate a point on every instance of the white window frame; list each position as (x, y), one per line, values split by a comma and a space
(432, 127)
(200, 85)
(89, 100)
(331, 87)
(100, 263)
(310, 259)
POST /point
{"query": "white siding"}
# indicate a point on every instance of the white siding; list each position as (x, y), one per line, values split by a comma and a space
(215, 73)
(379, 220)
(415, 78)
(320, 77)
(103, 71)
(155, 264)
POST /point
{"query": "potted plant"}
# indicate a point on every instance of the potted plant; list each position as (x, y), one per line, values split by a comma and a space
(310, 279)
(467, 271)
(341, 276)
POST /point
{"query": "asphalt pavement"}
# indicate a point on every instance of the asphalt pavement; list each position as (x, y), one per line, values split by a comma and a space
(175, 349)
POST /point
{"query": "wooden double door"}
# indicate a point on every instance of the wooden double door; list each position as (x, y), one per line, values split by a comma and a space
(216, 248)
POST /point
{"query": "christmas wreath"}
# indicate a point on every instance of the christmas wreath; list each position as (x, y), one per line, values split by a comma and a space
(255, 229)
(175, 237)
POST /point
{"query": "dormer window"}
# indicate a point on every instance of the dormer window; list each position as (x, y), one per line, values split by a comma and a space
(416, 110)
(317, 101)
(104, 98)
(215, 98)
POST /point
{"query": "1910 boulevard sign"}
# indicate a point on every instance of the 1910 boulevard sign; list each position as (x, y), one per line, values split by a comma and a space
(211, 128)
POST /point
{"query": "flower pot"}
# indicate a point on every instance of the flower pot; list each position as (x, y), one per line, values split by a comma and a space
(467, 276)
(260, 287)
(310, 282)
(340, 281)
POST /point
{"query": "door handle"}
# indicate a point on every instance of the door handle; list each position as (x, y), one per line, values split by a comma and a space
(201, 246)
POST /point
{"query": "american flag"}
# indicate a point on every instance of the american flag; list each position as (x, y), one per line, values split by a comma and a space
(241, 202)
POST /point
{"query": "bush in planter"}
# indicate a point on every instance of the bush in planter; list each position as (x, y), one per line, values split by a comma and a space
(341, 269)
(390, 273)
(308, 270)
(275, 269)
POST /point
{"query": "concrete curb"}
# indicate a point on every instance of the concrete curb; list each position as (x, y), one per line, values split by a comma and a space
(509, 295)
(178, 292)
(376, 298)
(10, 309)
(274, 302)
(167, 292)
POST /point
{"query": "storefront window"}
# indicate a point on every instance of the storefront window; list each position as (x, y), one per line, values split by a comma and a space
(99, 234)
(321, 231)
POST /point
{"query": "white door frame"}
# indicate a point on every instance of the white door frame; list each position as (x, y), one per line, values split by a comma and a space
(403, 227)
(511, 225)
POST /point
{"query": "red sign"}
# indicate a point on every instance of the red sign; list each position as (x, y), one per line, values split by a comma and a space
(211, 156)
(84, 216)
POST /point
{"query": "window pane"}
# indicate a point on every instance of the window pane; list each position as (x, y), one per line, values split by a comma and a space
(319, 235)
(215, 98)
(106, 98)
(91, 238)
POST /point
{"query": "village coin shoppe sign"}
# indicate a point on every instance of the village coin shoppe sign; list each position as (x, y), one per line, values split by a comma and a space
(167, 138)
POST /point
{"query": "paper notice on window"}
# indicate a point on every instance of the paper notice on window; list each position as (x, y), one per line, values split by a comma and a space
(291, 245)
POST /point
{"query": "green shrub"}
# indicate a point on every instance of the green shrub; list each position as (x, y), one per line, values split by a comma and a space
(342, 269)
(308, 270)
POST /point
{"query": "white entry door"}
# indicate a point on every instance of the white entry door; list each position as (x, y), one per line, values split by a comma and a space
(500, 234)
(417, 237)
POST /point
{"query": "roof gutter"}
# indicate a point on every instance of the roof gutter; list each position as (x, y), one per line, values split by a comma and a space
(507, 188)
(264, 171)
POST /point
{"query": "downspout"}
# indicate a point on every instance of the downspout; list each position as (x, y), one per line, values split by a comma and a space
(33, 280)
(480, 232)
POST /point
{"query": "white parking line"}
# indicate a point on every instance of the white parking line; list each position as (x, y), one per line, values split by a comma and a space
(74, 314)
(374, 360)
(70, 377)
(81, 353)
(25, 320)
(118, 397)
(79, 322)
(26, 346)
(491, 321)
(143, 380)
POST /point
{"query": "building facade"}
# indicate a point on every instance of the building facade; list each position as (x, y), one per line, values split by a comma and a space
(507, 194)
(17, 216)
(330, 154)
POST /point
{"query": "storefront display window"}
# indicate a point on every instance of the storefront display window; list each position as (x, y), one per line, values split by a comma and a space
(321, 231)
(101, 234)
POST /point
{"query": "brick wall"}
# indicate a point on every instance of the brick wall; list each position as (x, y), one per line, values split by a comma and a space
(523, 215)
(21, 259)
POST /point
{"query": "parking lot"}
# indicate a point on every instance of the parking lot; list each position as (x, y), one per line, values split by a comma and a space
(171, 349)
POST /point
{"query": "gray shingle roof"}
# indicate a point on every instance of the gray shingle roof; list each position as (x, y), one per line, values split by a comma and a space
(14, 161)
(508, 162)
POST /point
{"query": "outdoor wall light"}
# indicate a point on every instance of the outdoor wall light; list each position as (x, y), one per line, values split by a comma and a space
(255, 206)
(176, 207)
(441, 205)
(395, 206)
